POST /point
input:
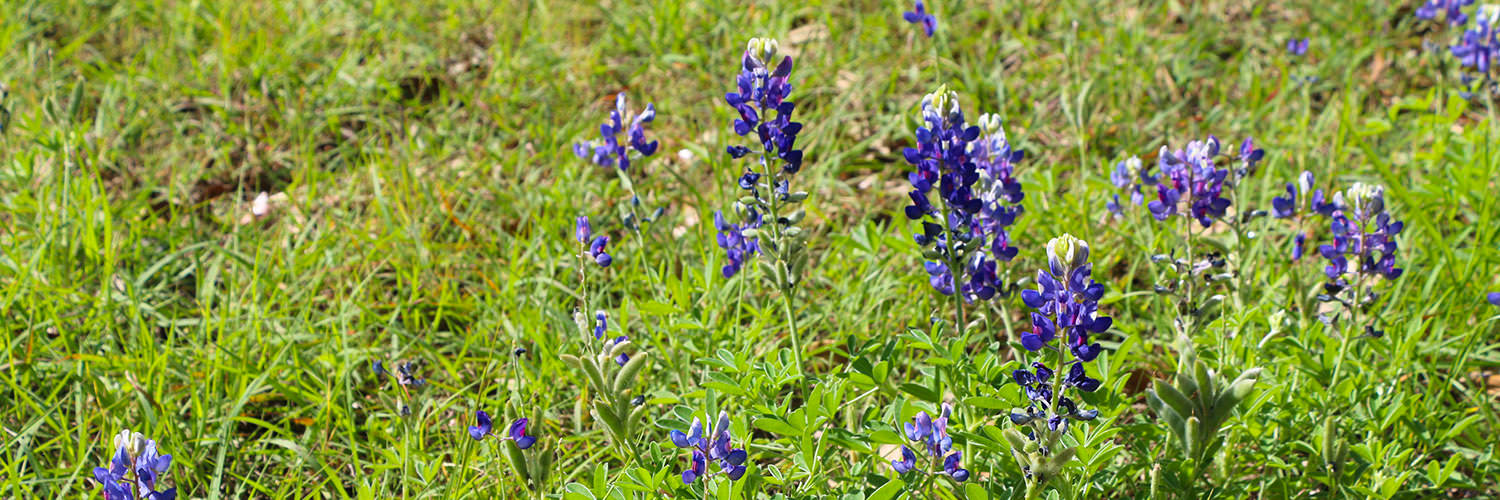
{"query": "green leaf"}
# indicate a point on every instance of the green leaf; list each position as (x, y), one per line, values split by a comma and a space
(776, 426)
(987, 403)
(888, 490)
(921, 392)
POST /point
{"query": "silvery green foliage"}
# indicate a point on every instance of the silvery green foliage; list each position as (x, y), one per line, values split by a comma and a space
(1196, 407)
(613, 382)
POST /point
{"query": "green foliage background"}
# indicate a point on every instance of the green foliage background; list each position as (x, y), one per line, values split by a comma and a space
(422, 154)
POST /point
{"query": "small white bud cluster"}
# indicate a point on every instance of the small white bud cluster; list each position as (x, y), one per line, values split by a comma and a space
(1067, 252)
(762, 49)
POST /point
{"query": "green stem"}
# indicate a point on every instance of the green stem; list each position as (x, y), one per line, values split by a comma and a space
(791, 321)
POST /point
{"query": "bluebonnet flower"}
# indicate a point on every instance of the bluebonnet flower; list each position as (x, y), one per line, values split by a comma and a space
(1494, 298)
(1478, 46)
(1130, 175)
(607, 151)
(972, 169)
(406, 374)
(1452, 8)
(1299, 244)
(1296, 47)
(1191, 174)
(1066, 300)
(737, 246)
(515, 433)
(931, 437)
(597, 246)
(919, 15)
(135, 471)
(717, 446)
(760, 98)
(1361, 229)
(999, 190)
(762, 90)
(601, 324)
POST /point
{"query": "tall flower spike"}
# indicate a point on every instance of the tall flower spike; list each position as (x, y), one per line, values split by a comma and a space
(1065, 304)
(972, 169)
(760, 99)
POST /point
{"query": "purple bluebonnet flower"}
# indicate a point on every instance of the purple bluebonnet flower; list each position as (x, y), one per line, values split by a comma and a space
(601, 324)
(584, 230)
(716, 446)
(919, 15)
(135, 471)
(1191, 174)
(1477, 48)
(1066, 302)
(762, 90)
(515, 433)
(972, 169)
(732, 238)
(999, 190)
(1130, 175)
(1363, 230)
(931, 437)
(1452, 8)
(1299, 245)
(597, 247)
(1493, 298)
(760, 98)
(608, 151)
(1296, 47)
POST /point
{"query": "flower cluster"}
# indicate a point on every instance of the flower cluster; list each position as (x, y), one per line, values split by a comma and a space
(931, 436)
(1364, 232)
(1451, 9)
(761, 92)
(516, 433)
(1477, 49)
(135, 471)
(731, 461)
(1191, 174)
(1190, 179)
(597, 245)
(972, 169)
(607, 151)
(1066, 302)
(733, 239)
(919, 15)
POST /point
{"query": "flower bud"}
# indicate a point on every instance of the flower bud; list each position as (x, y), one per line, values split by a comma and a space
(1067, 252)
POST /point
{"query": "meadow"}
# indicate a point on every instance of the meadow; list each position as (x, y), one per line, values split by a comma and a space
(996, 249)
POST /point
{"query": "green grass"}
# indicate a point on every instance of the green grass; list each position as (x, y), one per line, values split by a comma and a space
(424, 153)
